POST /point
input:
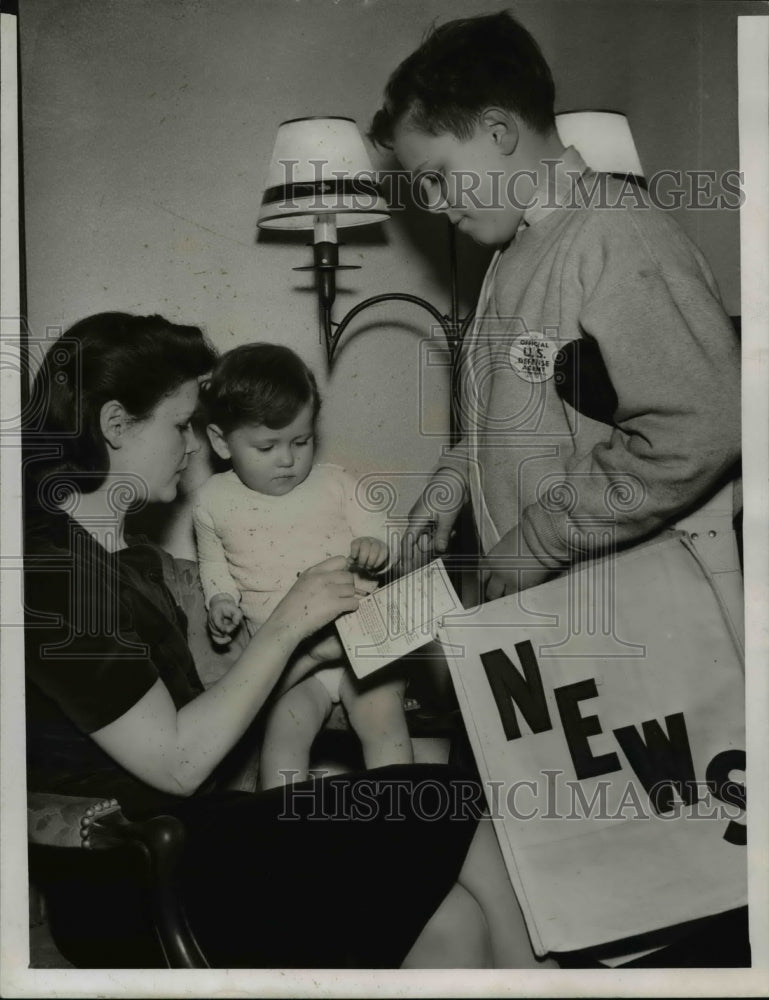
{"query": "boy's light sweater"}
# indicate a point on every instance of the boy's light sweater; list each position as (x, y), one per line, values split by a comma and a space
(631, 279)
(253, 546)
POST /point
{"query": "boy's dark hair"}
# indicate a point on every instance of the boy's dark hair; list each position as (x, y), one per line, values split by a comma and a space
(461, 68)
(259, 384)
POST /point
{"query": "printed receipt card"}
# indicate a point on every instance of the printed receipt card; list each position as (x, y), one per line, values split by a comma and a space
(397, 619)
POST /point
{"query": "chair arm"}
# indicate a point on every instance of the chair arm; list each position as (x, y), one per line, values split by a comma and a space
(66, 820)
(98, 824)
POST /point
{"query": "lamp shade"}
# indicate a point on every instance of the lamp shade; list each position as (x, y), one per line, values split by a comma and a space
(603, 140)
(320, 168)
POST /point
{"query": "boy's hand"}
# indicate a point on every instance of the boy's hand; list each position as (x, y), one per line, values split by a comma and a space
(431, 520)
(368, 554)
(511, 566)
(224, 617)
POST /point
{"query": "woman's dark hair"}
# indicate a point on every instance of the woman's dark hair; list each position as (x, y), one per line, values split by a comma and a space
(461, 68)
(259, 384)
(137, 360)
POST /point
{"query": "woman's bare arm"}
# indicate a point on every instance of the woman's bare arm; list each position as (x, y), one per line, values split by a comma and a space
(175, 751)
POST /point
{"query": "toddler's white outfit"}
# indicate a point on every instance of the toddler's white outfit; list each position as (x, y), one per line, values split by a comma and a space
(253, 546)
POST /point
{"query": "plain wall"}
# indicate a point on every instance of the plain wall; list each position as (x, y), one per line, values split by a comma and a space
(147, 129)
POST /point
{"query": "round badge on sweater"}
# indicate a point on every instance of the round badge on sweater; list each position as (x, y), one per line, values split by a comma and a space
(532, 356)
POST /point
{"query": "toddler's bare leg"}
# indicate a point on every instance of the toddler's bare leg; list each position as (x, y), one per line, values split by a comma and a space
(378, 718)
(291, 727)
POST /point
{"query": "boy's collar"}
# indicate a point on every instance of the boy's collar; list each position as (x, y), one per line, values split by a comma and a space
(556, 188)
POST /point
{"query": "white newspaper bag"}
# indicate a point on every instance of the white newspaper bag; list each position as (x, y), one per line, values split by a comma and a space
(606, 714)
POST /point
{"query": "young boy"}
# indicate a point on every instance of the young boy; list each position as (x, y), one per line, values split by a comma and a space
(600, 382)
(271, 516)
(470, 113)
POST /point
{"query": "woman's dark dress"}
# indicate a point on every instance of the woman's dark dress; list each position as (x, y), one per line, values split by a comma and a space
(333, 873)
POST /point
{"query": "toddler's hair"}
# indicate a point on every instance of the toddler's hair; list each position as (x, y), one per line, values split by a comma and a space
(462, 68)
(259, 384)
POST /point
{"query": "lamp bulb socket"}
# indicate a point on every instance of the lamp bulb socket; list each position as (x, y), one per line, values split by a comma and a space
(325, 229)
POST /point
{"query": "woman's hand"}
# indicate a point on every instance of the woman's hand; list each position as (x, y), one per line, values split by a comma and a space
(320, 595)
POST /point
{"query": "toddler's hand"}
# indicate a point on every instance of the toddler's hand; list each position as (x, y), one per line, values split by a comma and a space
(224, 618)
(369, 554)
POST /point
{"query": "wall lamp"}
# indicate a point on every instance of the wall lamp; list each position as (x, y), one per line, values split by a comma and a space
(604, 141)
(321, 179)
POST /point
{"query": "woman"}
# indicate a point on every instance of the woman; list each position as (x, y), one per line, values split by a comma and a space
(115, 707)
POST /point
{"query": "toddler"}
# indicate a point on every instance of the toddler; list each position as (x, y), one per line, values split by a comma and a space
(263, 522)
